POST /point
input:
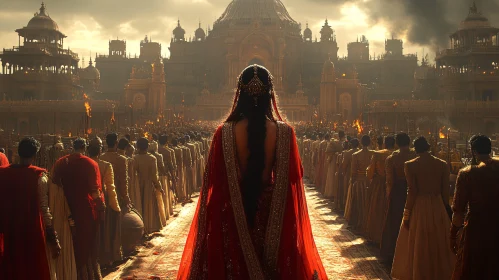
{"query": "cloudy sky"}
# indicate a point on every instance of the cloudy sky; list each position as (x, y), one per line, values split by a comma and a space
(422, 24)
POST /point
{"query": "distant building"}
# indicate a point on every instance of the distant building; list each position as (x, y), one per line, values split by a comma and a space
(41, 88)
(461, 93)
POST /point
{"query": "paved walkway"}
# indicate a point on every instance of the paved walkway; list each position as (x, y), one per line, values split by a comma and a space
(345, 256)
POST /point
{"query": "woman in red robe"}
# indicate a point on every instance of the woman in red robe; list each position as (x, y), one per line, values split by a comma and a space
(252, 220)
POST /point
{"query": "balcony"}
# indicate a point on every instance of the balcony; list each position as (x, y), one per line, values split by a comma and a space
(468, 50)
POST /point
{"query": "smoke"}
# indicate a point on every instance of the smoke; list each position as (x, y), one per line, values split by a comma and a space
(423, 22)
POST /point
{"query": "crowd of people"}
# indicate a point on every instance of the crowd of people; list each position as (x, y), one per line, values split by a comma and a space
(396, 194)
(67, 218)
(392, 191)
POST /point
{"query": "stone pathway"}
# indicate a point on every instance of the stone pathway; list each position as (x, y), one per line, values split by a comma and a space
(344, 255)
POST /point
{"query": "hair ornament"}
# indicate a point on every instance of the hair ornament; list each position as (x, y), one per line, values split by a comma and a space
(255, 88)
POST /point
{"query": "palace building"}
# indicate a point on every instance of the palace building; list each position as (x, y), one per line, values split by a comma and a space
(42, 88)
(461, 93)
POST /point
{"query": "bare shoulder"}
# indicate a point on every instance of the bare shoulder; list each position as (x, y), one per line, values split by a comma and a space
(411, 161)
(465, 171)
(271, 126)
(442, 162)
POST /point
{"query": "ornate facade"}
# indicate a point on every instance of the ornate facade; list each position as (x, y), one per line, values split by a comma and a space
(311, 80)
(390, 90)
(43, 89)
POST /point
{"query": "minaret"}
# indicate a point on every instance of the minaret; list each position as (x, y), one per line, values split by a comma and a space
(157, 91)
(328, 96)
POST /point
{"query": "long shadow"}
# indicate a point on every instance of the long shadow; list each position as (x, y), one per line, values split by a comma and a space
(370, 269)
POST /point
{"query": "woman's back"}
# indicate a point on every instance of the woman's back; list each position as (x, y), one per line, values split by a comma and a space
(243, 153)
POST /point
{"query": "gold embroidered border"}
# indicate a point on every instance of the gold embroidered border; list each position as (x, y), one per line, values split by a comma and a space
(200, 238)
(277, 208)
(253, 264)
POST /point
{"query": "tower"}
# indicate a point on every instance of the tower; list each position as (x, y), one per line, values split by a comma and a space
(149, 50)
(199, 35)
(328, 45)
(394, 47)
(359, 51)
(157, 90)
(328, 97)
(40, 67)
(307, 34)
(117, 48)
(178, 33)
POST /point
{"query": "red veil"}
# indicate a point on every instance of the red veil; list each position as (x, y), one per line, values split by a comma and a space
(219, 245)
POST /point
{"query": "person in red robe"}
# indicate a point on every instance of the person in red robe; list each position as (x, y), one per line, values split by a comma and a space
(80, 179)
(4, 161)
(252, 220)
(24, 238)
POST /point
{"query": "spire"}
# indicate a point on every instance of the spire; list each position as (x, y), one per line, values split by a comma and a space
(178, 22)
(42, 10)
(90, 62)
(473, 8)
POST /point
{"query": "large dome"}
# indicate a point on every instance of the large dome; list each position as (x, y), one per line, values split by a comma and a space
(249, 10)
(42, 21)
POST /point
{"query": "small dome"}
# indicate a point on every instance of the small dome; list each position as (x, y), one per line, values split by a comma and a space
(179, 32)
(475, 19)
(327, 32)
(90, 73)
(200, 34)
(42, 21)
(307, 33)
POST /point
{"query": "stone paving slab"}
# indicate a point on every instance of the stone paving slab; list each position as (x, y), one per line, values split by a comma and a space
(344, 255)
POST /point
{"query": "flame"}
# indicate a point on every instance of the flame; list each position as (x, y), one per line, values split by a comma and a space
(85, 96)
(69, 134)
(146, 135)
(149, 122)
(89, 131)
(442, 135)
(356, 124)
(88, 109)
(113, 120)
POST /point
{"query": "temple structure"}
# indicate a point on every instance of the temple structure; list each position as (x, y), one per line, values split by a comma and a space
(42, 88)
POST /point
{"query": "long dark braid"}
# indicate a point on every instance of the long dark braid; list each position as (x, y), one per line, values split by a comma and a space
(257, 110)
